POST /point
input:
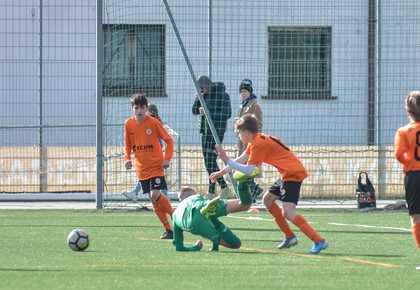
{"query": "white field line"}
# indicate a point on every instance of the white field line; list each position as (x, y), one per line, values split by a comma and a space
(250, 218)
(368, 226)
(334, 224)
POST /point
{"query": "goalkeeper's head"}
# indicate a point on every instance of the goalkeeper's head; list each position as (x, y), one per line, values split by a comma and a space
(186, 192)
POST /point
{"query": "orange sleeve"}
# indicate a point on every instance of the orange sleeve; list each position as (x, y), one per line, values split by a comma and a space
(401, 148)
(162, 134)
(127, 142)
(256, 153)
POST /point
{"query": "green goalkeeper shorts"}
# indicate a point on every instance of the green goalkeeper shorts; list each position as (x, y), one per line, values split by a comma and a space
(203, 227)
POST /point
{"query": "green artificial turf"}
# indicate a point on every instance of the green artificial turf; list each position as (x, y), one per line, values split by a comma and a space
(370, 250)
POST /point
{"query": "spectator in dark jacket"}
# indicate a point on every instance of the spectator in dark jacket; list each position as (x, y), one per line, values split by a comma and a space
(220, 110)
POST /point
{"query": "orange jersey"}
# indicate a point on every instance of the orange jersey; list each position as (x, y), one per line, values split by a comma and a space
(142, 139)
(407, 146)
(270, 150)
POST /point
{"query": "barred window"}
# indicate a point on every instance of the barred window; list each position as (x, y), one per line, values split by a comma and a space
(134, 60)
(299, 63)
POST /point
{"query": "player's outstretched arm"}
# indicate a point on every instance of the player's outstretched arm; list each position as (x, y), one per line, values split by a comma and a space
(178, 241)
(222, 153)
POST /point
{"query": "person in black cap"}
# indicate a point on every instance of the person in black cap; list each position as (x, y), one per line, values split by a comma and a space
(220, 110)
(249, 105)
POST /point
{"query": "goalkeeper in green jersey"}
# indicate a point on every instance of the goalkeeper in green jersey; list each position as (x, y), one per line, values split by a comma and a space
(200, 217)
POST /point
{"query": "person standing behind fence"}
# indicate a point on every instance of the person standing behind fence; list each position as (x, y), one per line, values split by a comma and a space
(407, 151)
(220, 110)
(249, 105)
(142, 133)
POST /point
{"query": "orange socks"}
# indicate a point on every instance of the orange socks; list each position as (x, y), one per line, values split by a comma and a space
(275, 211)
(163, 207)
(300, 222)
(305, 227)
(161, 214)
(165, 204)
(416, 234)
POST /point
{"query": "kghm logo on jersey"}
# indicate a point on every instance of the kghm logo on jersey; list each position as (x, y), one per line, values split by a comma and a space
(143, 148)
(149, 131)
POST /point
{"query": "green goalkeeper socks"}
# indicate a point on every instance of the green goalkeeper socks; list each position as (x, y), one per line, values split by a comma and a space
(244, 194)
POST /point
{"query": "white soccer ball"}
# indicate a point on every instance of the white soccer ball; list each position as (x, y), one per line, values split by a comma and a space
(78, 240)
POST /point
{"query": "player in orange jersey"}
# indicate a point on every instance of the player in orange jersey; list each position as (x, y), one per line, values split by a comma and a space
(152, 110)
(142, 133)
(407, 151)
(263, 148)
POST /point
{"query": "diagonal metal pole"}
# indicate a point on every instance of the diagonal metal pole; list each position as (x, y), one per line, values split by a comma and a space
(197, 88)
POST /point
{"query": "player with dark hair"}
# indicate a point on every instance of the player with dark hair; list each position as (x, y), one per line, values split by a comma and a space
(263, 148)
(133, 195)
(142, 133)
(407, 151)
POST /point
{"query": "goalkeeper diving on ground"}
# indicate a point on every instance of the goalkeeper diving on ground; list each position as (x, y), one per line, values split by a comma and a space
(200, 217)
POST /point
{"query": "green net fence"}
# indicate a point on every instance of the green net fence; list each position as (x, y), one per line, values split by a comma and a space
(330, 78)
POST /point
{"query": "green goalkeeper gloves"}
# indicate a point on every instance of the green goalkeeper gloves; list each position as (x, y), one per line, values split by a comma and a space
(211, 207)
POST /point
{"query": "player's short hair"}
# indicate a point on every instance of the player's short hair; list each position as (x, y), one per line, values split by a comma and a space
(186, 192)
(139, 100)
(412, 104)
(247, 122)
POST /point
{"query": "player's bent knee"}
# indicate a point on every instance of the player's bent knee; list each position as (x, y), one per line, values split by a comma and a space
(229, 239)
(269, 198)
(155, 195)
(236, 246)
(230, 245)
(289, 214)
